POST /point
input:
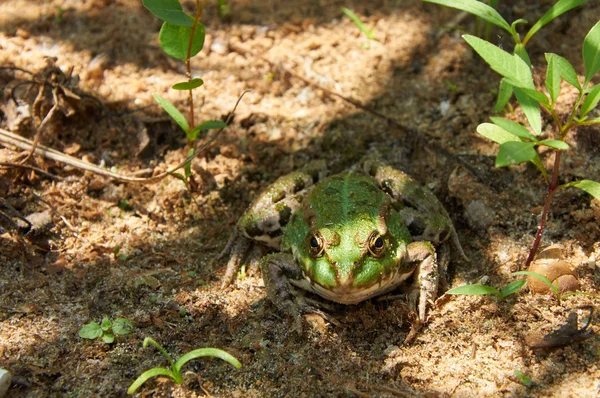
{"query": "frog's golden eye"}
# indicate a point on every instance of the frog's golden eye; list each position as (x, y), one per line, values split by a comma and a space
(316, 245)
(376, 244)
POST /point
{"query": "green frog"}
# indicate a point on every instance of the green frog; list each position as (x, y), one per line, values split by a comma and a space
(347, 237)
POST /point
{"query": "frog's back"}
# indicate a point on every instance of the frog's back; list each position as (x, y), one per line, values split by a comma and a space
(343, 198)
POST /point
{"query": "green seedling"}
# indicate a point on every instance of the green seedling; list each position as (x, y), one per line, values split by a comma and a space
(224, 11)
(106, 330)
(369, 33)
(482, 290)
(553, 286)
(523, 378)
(182, 37)
(517, 143)
(174, 372)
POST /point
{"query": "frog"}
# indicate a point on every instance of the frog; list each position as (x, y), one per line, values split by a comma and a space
(346, 237)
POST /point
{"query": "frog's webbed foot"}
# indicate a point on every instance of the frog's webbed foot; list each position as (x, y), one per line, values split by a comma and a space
(426, 278)
(239, 246)
(277, 269)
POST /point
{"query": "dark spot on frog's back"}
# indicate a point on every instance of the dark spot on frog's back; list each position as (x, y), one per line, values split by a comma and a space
(369, 186)
(284, 215)
(299, 184)
(331, 191)
(277, 195)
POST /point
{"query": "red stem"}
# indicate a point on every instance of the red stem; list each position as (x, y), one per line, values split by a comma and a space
(551, 189)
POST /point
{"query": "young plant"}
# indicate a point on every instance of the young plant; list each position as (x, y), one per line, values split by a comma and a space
(491, 16)
(517, 143)
(523, 378)
(369, 33)
(554, 287)
(182, 37)
(174, 372)
(482, 290)
(106, 329)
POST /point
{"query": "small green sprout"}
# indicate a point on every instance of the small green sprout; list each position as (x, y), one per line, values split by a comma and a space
(175, 370)
(482, 290)
(369, 33)
(523, 378)
(553, 286)
(106, 329)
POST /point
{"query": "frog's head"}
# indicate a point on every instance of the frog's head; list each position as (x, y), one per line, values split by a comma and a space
(348, 240)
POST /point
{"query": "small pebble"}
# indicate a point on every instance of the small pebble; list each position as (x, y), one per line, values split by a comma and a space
(479, 215)
(5, 380)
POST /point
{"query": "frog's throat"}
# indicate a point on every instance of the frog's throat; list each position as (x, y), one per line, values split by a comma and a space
(350, 294)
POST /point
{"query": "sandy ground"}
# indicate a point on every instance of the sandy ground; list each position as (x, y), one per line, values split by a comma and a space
(143, 251)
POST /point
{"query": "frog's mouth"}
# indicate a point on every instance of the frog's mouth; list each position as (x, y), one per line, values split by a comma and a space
(347, 293)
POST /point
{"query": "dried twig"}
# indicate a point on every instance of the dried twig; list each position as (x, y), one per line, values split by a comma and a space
(8, 138)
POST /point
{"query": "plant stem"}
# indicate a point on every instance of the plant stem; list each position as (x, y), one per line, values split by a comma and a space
(551, 189)
(188, 64)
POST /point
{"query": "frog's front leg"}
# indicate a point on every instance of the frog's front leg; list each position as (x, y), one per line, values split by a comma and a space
(278, 270)
(426, 284)
(426, 277)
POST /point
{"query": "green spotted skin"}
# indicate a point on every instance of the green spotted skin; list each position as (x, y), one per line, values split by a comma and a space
(347, 211)
(348, 237)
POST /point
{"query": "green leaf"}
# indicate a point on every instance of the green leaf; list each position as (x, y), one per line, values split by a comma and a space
(592, 99)
(90, 331)
(512, 67)
(179, 176)
(147, 375)
(474, 290)
(168, 11)
(207, 125)
(539, 277)
(526, 380)
(108, 338)
(106, 324)
(522, 53)
(495, 133)
(204, 352)
(591, 52)
(556, 144)
(565, 69)
(192, 84)
(476, 8)
(515, 152)
(505, 91)
(150, 341)
(370, 33)
(530, 109)
(174, 40)
(513, 128)
(173, 112)
(512, 287)
(552, 77)
(589, 186)
(122, 326)
(535, 95)
(557, 9)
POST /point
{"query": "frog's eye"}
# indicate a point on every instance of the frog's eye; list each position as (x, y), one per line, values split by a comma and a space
(315, 244)
(376, 244)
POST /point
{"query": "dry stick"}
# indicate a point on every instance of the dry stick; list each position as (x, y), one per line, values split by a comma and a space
(25, 166)
(8, 138)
